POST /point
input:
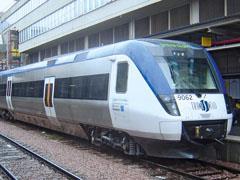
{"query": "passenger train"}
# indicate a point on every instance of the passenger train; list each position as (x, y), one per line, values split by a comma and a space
(146, 96)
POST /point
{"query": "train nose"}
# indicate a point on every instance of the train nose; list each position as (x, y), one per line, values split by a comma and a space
(205, 130)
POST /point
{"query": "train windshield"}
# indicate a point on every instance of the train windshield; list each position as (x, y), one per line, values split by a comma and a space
(187, 74)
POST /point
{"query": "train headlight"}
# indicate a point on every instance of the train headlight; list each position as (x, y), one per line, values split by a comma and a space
(169, 104)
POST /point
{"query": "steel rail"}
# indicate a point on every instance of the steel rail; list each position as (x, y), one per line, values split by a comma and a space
(190, 175)
(7, 172)
(179, 172)
(218, 166)
(42, 159)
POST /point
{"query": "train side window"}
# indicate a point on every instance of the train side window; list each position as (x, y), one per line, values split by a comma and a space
(28, 89)
(98, 87)
(2, 89)
(62, 88)
(122, 77)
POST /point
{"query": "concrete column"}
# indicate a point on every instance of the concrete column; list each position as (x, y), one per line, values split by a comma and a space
(59, 49)
(150, 25)
(86, 42)
(39, 56)
(194, 11)
(225, 8)
(132, 29)
(169, 20)
(113, 34)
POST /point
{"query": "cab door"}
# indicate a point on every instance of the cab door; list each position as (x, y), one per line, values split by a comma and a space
(48, 96)
(118, 99)
(9, 93)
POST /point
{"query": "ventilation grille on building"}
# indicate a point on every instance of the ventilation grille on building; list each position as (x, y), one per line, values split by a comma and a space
(180, 16)
(160, 22)
(228, 61)
(121, 33)
(93, 40)
(233, 7)
(210, 9)
(142, 27)
(106, 37)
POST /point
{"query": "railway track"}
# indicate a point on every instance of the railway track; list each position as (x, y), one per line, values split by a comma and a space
(195, 169)
(5, 173)
(19, 162)
(182, 168)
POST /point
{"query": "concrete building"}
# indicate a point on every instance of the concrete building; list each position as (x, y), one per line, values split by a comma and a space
(49, 28)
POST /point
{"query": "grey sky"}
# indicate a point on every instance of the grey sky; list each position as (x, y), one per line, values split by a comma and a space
(5, 4)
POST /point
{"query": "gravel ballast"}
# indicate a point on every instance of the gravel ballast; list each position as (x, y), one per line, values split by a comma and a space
(80, 157)
(85, 162)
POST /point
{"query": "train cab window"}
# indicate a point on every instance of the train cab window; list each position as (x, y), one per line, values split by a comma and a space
(122, 77)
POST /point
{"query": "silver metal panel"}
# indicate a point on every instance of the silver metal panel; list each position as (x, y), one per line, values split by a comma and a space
(83, 68)
(68, 110)
(83, 111)
(34, 75)
(74, 129)
(3, 103)
(28, 105)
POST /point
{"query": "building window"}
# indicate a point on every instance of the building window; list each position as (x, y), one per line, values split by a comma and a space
(122, 77)
(71, 46)
(21, 12)
(64, 48)
(48, 52)
(93, 40)
(142, 27)
(121, 33)
(54, 50)
(42, 54)
(80, 44)
(106, 37)
(61, 16)
(210, 9)
(33, 57)
(180, 16)
(159, 22)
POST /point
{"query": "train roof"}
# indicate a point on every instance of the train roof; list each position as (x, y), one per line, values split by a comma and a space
(108, 50)
(141, 52)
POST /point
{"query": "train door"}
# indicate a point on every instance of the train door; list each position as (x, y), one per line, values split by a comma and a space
(48, 96)
(118, 94)
(9, 93)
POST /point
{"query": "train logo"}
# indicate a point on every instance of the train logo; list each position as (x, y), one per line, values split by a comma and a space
(204, 105)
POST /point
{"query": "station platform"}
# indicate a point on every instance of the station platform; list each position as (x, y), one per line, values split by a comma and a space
(230, 151)
(235, 131)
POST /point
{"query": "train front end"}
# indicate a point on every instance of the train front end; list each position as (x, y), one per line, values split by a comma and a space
(192, 93)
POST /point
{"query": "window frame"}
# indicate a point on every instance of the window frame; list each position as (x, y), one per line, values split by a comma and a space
(126, 81)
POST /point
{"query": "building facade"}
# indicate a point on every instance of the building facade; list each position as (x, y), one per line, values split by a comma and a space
(47, 28)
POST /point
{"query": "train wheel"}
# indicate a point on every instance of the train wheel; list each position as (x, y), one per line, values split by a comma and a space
(130, 147)
(6, 115)
(94, 138)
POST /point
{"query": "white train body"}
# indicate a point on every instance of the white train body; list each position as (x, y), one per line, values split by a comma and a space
(142, 96)
(144, 116)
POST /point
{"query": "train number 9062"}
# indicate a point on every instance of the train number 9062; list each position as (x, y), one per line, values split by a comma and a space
(184, 97)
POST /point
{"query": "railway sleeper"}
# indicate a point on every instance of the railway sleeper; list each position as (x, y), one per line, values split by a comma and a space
(115, 139)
